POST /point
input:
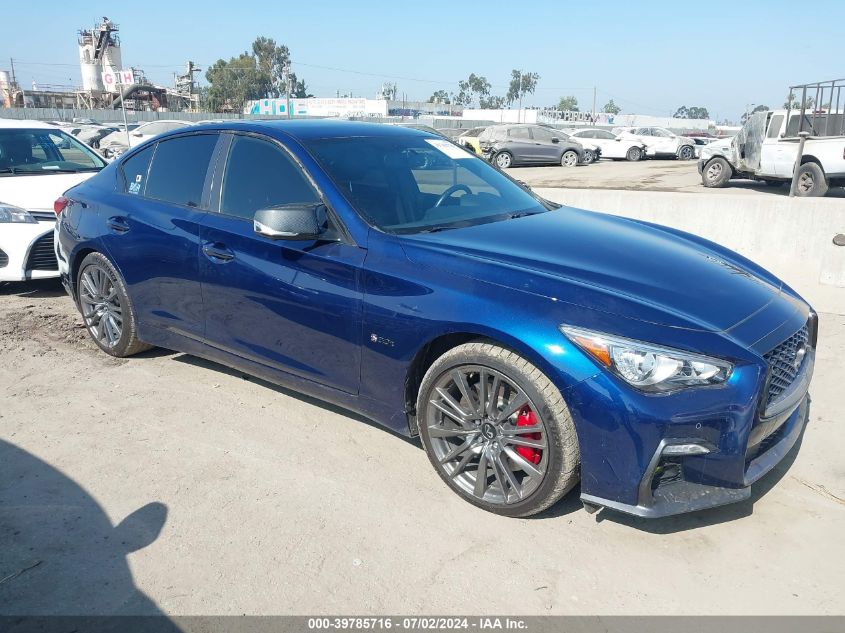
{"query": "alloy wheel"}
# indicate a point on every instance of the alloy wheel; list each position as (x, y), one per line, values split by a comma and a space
(714, 171)
(486, 435)
(686, 152)
(101, 307)
(570, 159)
(806, 182)
(503, 160)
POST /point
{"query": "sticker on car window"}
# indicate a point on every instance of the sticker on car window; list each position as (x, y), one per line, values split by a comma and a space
(452, 151)
(135, 187)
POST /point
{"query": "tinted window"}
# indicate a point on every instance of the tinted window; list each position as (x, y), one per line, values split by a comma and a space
(519, 132)
(603, 134)
(544, 135)
(411, 184)
(178, 171)
(260, 175)
(135, 170)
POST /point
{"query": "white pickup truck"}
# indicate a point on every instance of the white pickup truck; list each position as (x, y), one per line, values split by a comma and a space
(766, 147)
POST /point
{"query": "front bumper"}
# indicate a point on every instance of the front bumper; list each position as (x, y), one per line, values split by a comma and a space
(658, 456)
(22, 245)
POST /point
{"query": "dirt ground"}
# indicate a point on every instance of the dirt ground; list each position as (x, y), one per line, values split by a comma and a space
(647, 175)
(168, 484)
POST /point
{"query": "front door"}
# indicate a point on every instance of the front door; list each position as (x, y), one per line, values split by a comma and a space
(289, 304)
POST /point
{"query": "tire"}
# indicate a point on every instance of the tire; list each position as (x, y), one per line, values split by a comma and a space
(106, 308)
(503, 160)
(686, 152)
(569, 158)
(555, 455)
(811, 181)
(589, 157)
(634, 154)
(716, 173)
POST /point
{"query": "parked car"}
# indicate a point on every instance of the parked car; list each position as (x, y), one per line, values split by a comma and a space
(611, 145)
(528, 344)
(38, 161)
(91, 135)
(469, 138)
(522, 144)
(661, 143)
(766, 147)
(115, 143)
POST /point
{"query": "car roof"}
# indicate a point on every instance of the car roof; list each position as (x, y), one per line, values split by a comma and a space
(312, 129)
(24, 124)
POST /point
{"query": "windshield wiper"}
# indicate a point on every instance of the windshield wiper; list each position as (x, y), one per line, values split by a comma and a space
(522, 214)
(436, 229)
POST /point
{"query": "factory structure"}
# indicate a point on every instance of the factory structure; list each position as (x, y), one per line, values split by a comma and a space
(100, 52)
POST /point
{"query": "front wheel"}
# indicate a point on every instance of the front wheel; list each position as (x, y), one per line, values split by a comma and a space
(811, 181)
(569, 158)
(634, 154)
(106, 308)
(716, 173)
(497, 430)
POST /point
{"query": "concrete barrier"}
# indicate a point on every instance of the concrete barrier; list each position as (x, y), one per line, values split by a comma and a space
(791, 237)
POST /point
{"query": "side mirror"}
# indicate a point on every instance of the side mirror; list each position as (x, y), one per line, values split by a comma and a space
(297, 221)
(555, 139)
(138, 134)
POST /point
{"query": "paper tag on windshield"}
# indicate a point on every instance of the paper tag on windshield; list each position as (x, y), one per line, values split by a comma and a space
(452, 151)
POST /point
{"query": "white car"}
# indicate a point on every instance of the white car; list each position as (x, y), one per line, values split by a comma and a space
(38, 162)
(661, 142)
(611, 145)
(115, 143)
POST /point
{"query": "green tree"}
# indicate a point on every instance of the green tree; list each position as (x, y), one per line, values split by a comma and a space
(568, 104)
(694, 112)
(521, 85)
(439, 96)
(492, 102)
(256, 75)
(611, 108)
(472, 90)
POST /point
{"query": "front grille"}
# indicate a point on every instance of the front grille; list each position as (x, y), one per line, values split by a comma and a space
(4, 259)
(41, 255)
(782, 365)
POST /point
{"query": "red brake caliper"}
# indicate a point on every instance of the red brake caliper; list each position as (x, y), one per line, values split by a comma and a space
(526, 417)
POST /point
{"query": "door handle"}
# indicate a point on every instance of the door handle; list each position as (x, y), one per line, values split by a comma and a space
(117, 224)
(218, 252)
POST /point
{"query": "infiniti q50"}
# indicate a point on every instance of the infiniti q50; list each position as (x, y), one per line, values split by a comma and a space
(531, 346)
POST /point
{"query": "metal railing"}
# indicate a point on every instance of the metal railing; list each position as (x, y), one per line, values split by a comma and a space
(825, 102)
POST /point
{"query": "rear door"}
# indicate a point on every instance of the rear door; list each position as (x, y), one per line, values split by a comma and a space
(521, 146)
(153, 230)
(294, 305)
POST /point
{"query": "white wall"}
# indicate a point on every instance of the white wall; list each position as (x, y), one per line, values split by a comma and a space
(791, 237)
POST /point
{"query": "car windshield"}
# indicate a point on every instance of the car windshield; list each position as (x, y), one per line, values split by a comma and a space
(44, 151)
(412, 184)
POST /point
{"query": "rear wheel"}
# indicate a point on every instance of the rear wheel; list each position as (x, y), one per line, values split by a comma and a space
(497, 430)
(811, 181)
(569, 158)
(634, 154)
(589, 156)
(503, 160)
(716, 173)
(106, 308)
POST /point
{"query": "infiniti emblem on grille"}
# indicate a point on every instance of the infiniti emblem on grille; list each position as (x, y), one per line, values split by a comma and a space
(799, 356)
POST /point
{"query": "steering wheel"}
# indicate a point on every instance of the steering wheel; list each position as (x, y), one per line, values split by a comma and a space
(449, 192)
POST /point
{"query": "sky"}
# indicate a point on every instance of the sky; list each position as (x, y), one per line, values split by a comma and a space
(649, 56)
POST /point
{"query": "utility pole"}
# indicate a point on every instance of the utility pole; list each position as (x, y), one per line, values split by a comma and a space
(288, 88)
(594, 104)
(519, 92)
(14, 80)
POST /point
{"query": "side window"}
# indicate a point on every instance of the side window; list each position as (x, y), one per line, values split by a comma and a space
(774, 126)
(543, 135)
(260, 175)
(604, 134)
(519, 132)
(177, 174)
(135, 171)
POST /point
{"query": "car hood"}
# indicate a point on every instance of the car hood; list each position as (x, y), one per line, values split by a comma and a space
(605, 263)
(38, 192)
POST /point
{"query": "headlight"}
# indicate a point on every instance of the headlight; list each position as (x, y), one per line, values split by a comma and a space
(649, 367)
(10, 213)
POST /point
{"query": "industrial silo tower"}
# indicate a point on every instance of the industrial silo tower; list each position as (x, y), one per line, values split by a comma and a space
(99, 51)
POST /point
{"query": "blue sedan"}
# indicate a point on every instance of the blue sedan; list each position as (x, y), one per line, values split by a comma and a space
(384, 269)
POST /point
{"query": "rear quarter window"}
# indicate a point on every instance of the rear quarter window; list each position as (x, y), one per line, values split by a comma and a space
(179, 166)
(135, 170)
